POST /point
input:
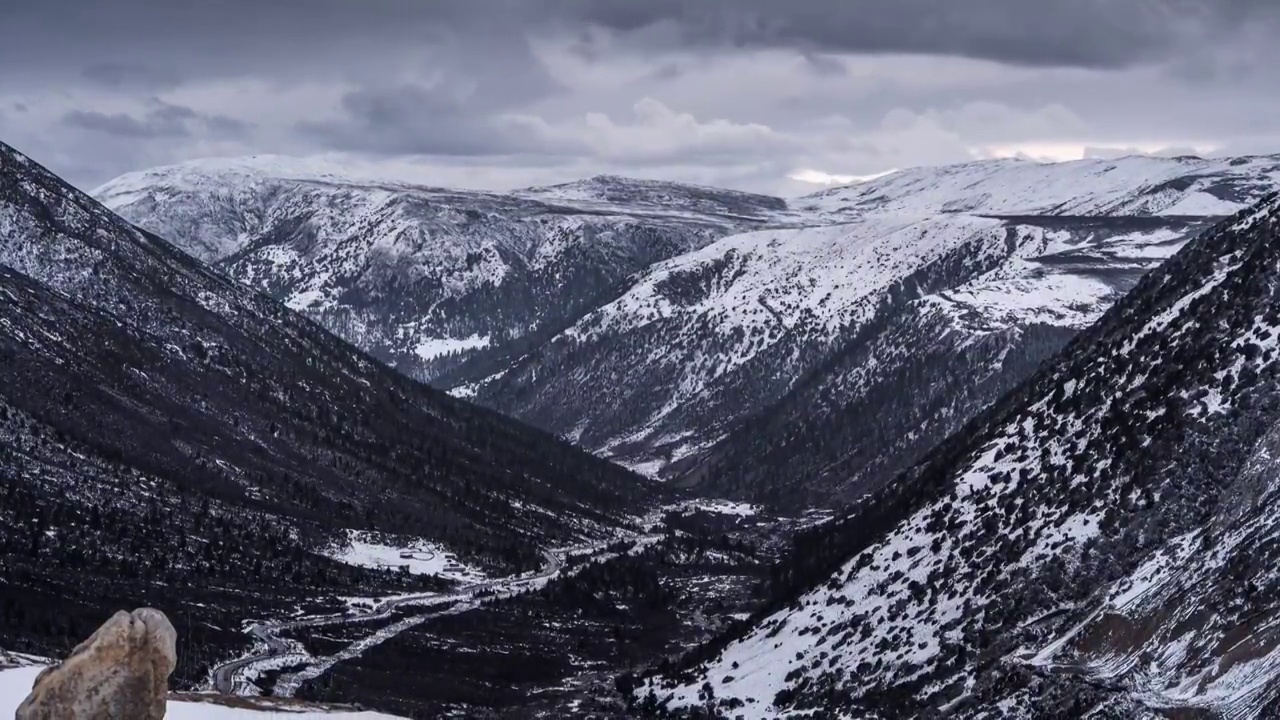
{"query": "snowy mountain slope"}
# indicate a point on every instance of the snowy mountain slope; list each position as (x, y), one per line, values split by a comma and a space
(720, 335)
(566, 306)
(779, 378)
(922, 367)
(711, 334)
(153, 410)
(1193, 628)
(1084, 548)
(426, 278)
(1134, 185)
(622, 195)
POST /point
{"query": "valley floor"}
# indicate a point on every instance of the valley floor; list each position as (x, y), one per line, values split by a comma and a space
(551, 643)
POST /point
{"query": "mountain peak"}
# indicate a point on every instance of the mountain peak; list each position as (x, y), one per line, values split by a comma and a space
(620, 190)
(1128, 186)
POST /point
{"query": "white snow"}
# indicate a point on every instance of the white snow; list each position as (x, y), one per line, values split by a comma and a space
(1062, 300)
(194, 174)
(390, 552)
(1135, 185)
(724, 507)
(431, 348)
(305, 299)
(15, 685)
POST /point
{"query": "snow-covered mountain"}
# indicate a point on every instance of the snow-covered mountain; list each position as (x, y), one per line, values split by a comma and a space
(707, 339)
(1135, 185)
(956, 337)
(1099, 543)
(427, 279)
(168, 436)
(702, 334)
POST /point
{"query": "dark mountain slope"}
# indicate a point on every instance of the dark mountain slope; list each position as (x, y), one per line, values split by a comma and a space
(935, 354)
(870, 411)
(1082, 549)
(446, 285)
(132, 373)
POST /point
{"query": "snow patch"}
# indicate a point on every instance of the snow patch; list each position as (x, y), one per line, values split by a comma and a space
(431, 348)
(391, 552)
(15, 685)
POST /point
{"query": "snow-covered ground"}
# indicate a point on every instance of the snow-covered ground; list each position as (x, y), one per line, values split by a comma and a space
(1122, 186)
(16, 683)
(430, 348)
(724, 507)
(421, 557)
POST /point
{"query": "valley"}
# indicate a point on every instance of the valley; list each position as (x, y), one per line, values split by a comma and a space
(888, 433)
(731, 343)
(640, 360)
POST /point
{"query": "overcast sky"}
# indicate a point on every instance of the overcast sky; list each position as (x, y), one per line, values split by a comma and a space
(766, 95)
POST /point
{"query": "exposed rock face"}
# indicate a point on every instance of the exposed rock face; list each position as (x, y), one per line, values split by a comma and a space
(120, 673)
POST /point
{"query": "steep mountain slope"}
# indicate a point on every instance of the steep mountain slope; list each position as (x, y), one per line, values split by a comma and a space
(169, 435)
(425, 278)
(733, 342)
(1097, 544)
(926, 363)
(823, 321)
(803, 365)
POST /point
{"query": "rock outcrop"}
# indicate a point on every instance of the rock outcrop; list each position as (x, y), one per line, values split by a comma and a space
(120, 673)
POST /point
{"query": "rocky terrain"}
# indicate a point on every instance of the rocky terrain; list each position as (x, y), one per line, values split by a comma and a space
(427, 279)
(122, 671)
(1096, 544)
(170, 437)
(1042, 396)
(704, 336)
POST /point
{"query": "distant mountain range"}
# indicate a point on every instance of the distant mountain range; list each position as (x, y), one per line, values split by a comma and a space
(793, 351)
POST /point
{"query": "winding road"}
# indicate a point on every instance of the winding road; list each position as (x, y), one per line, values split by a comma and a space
(229, 678)
(236, 676)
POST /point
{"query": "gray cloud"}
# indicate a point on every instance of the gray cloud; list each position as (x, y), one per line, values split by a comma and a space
(153, 125)
(825, 64)
(735, 92)
(125, 76)
(411, 119)
(221, 126)
(162, 120)
(1079, 33)
(155, 41)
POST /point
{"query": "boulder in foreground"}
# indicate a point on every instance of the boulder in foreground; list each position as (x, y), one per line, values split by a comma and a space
(120, 672)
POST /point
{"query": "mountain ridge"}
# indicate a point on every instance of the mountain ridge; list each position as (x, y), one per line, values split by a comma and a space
(520, 301)
(1031, 563)
(170, 436)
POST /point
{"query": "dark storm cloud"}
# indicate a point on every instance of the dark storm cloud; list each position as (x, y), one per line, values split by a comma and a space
(411, 119)
(1084, 33)
(608, 85)
(162, 120)
(124, 76)
(159, 40)
(155, 40)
